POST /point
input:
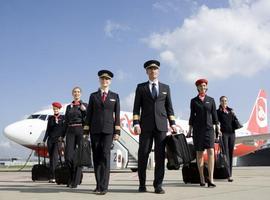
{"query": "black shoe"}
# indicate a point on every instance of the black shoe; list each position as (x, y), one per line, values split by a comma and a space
(159, 190)
(52, 180)
(142, 189)
(95, 190)
(202, 184)
(73, 186)
(102, 192)
(230, 179)
(211, 184)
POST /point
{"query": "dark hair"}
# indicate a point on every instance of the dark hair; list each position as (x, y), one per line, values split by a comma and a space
(76, 88)
(222, 97)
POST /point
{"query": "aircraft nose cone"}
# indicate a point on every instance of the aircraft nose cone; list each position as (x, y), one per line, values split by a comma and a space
(8, 131)
(26, 132)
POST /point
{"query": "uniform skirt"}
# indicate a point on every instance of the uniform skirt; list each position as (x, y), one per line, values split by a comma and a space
(203, 139)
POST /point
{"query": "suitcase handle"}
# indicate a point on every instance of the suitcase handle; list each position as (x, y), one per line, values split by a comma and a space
(59, 151)
(38, 148)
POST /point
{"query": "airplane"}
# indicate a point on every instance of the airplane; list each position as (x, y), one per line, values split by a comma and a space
(251, 137)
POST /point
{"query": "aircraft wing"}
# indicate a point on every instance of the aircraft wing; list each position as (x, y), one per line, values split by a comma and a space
(251, 139)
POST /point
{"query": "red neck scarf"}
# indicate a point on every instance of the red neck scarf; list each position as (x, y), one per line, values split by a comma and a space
(56, 116)
(202, 95)
(76, 103)
(224, 109)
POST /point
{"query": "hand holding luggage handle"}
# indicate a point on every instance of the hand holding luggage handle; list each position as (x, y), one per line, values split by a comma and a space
(221, 147)
(44, 152)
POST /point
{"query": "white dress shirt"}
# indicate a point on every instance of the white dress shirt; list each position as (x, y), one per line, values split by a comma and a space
(157, 87)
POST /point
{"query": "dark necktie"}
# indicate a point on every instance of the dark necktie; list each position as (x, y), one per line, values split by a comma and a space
(103, 97)
(154, 91)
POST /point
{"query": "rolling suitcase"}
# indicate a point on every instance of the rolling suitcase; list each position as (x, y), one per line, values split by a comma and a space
(40, 171)
(190, 173)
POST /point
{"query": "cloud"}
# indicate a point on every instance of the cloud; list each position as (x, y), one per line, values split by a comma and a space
(127, 102)
(111, 28)
(5, 144)
(218, 43)
(174, 5)
(121, 75)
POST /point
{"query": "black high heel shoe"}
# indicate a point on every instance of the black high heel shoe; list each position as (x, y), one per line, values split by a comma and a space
(202, 184)
(211, 184)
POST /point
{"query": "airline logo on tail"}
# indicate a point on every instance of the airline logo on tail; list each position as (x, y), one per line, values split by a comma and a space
(258, 123)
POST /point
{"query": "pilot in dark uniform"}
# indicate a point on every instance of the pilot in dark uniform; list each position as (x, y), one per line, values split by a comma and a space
(103, 122)
(74, 121)
(203, 118)
(152, 108)
(54, 133)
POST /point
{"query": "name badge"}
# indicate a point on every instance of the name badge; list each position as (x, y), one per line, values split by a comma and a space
(164, 92)
(112, 100)
(207, 102)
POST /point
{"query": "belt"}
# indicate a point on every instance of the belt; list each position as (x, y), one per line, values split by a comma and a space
(74, 125)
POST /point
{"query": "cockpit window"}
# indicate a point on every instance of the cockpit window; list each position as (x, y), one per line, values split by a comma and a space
(42, 117)
(33, 116)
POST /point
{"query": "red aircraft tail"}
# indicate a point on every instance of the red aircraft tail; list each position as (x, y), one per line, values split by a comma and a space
(258, 123)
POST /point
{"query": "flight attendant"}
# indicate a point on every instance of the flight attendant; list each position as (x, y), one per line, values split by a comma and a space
(103, 122)
(74, 120)
(152, 108)
(53, 134)
(203, 119)
(226, 116)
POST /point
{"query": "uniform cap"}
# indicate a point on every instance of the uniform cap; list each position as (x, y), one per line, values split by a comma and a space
(105, 73)
(151, 63)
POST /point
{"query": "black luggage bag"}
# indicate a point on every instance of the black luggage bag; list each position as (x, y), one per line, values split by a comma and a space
(178, 151)
(40, 171)
(221, 169)
(62, 174)
(62, 170)
(82, 157)
(190, 173)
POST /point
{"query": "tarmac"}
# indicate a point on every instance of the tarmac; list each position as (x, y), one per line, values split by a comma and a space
(250, 183)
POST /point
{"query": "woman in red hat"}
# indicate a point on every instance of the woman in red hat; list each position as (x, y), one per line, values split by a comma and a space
(74, 121)
(54, 133)
(203, 119)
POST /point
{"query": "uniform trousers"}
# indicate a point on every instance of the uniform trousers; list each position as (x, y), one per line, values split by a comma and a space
(101, 147)
(145, 146)
(73, 139)
(229, 142)
(53, 155)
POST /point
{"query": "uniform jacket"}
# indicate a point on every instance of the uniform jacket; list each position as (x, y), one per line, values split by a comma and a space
(75, 114)
(150, 112)
(103, 117)
(226, 120)
(203, 114)
(54, 130)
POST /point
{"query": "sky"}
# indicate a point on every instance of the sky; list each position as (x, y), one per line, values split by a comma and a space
(48, 47)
